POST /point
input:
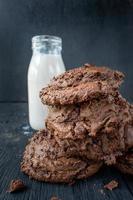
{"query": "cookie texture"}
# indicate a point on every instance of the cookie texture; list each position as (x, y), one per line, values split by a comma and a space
(93, 129)
(125, 163)
(81, 84)
(45, 160)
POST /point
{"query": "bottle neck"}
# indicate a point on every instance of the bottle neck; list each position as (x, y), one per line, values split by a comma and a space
(46, 44)
(46, 51)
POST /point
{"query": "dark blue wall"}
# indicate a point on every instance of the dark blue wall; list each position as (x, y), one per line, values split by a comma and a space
(94, 31)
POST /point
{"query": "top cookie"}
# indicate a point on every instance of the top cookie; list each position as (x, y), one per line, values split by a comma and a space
(81, 84)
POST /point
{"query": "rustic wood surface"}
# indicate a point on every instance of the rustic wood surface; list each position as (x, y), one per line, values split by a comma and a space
(13, 137)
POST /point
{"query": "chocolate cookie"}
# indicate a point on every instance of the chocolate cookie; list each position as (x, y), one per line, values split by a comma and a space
(81, 84)
(94, 129)
(45, 160)
(125, 163)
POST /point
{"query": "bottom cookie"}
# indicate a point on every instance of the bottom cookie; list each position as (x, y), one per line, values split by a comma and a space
(125, 163)
(44, 160)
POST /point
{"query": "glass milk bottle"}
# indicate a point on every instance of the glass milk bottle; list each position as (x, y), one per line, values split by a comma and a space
(46, 62)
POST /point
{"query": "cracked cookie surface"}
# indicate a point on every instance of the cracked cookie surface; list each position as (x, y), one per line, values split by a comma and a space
(81, 84)
(45, 160)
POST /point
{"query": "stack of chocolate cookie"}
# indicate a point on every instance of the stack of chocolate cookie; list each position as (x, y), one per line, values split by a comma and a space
(88, 124)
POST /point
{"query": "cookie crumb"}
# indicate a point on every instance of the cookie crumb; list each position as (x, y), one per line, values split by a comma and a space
(54, 198)
(111, 185)
(71, 183)
(16, 185)
(101, 191)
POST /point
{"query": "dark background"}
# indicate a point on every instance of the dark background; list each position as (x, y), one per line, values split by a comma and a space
(94, 31)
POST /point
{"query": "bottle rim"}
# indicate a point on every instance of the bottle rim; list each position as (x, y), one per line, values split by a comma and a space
(43, 38)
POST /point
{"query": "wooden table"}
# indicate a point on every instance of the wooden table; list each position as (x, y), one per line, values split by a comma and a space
(13, 137)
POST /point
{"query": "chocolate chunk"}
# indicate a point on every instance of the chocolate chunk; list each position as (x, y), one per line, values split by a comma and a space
(16, 185)
(111, 185)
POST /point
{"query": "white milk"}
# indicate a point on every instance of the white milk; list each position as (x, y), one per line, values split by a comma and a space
(43, 67)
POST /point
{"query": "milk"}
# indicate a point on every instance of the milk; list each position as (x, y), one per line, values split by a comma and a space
(43, 67)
